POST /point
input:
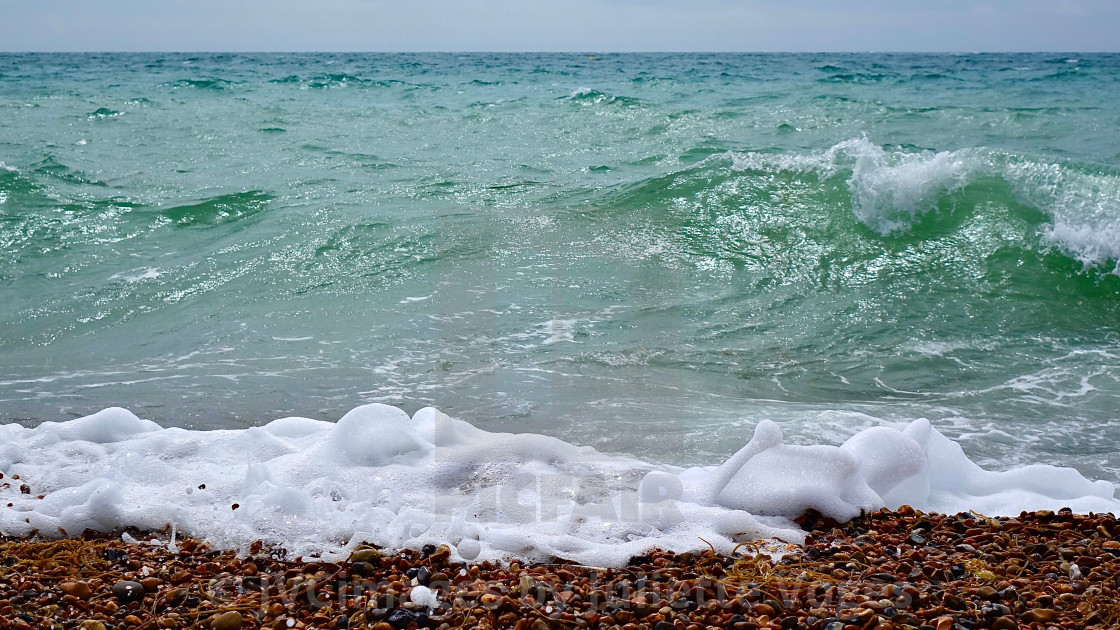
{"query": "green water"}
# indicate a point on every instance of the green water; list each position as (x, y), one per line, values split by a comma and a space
(645, 253)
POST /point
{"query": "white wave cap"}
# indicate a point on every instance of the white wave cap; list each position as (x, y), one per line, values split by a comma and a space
(891, 190)
(379, 476)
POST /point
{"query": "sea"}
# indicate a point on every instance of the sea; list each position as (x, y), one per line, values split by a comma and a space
(648, 254)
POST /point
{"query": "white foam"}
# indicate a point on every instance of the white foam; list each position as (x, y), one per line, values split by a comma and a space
(379, 476)
(137, 275)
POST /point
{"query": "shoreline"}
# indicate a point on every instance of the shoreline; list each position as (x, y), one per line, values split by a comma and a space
(901, 570)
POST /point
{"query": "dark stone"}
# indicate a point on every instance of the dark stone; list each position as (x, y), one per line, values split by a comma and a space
(664, 625)
(192, 602)
(958, 571)
(128, 591)
(424, 576)
(882, 577)
(362, 568)
(113, 555)
(789, 623)
(411, 572)
(952, 602)
(251, 582)
(917, 539)
(638, 560)
(342, 622)
(427, 550)
(402, 617)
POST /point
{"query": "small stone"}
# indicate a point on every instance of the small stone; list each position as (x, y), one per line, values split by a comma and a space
(92, 625)
(226, 621)
(362, 568)
(988, 593)
(402, 617)
(664, 625)
(176, 596)
(128, 591)
(917, 539)
(944, 623)
(151, 584)
(1005, 623)
(882, 577)
(81, 590)
(365, 555)
(1039, 615)
(953, 602)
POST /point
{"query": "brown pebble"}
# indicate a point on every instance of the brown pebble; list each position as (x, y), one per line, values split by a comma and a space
(81, 590)
(92, 625)
(1005, 623)
(176, 596)
(226, 621)
(1040, 615)
(151, 584)
(132, 620)
(944, 623)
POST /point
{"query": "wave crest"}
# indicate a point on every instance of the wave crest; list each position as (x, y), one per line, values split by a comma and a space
(891, 190)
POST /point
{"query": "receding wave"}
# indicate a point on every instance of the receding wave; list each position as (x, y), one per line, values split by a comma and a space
(588, 95)
(103, 112)
(51, 167)
(202, 84)
(218, 210)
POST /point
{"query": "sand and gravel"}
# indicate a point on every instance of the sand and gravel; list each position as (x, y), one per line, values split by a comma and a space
(903, 569)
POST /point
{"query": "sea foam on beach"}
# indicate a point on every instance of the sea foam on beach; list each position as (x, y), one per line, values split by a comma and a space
(377, 475)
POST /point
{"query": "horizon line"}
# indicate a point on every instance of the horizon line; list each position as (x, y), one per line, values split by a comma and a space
(569, 52)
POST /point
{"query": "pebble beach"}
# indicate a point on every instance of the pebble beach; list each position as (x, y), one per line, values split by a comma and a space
(902, 569)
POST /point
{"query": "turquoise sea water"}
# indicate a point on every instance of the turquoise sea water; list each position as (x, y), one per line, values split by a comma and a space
(644, 253)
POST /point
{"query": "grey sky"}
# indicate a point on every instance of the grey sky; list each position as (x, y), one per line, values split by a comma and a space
(560, 25)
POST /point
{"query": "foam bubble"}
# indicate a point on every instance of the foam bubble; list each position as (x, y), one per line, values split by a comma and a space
(377, 475)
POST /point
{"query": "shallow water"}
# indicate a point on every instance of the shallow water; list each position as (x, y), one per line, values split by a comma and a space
(648, 254)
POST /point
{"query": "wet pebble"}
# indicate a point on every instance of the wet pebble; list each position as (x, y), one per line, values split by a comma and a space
(128, 591)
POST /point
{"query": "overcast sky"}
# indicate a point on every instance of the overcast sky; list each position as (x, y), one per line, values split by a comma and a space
(560, 25)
